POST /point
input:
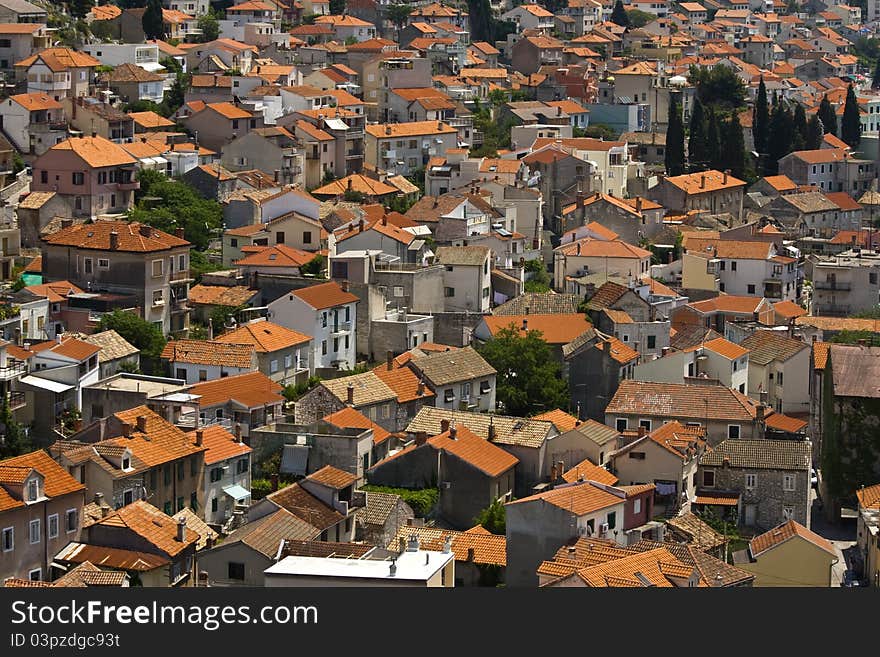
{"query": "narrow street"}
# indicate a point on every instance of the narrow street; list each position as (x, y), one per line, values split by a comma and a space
(842, 536)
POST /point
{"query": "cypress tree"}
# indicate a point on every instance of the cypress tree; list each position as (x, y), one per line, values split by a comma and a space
(734, 147)
(827, 116)
(875, 83)
(762, 118)
(851, 125)
(697, 142)
(619, 15)
(814, 134)
(799, 129)
(152, 20)
(779, 139)
(713, 142)
(674, 157)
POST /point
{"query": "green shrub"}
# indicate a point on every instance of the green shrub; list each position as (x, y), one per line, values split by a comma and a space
(422, 501)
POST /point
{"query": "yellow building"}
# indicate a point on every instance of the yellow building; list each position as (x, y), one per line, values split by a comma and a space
(869, 533)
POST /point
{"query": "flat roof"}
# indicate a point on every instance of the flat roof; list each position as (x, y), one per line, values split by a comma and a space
(418, 565)
(151, 386)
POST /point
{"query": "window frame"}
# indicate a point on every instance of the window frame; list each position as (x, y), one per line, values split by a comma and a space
(49, 521)
(751, 481)
(7, 531)
(705, 482)
(31, 524)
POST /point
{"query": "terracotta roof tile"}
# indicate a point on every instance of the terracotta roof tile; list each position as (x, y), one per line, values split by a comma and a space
(95, 151)
(767, 346)
(587, 470)
(763, 454)
(325, 295)
(131, 238)
(469, 447)
(279, 255)
(333, 477)
(869, 497)
(349, 418)
(404, 382)
(509, 430)
(368, 389)
(469, 547)
(149, 523)
(251, 390)
(619, 351)
(578, 498)
(785, 423)
(589, 247)
(784, 532)
(555, 329)
(413, 129)
(561, 420)
(681, 401)
(820, 354)
(221, 295)
(111, 557)
(265, 337)
(204, 352)
(305, 506)
(714, 181)
(35, 101)
(221, 445)
(450, 367)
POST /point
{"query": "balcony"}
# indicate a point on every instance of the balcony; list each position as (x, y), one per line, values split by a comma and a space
(191, 420)
(832, 285)
(16, 400)
(180, 276)
(342, 328)
(13, 371)
(128, 186)
(832, 309)
(47, 126)
(179, 305)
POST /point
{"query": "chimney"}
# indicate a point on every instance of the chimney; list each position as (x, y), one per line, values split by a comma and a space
(181, 530)
(421, 437)
(145, 230)
(178, 232)
(350, 394)
(444, 425)
(200, 437)
(238, 437)
(94, 133)
(638, 204)
(527, 310)
(126, 431)
(553, 474)
(401, 544)
(348, 184)
(642, 431)
(412, 544)
(525, 324)
(114, 240)
(387, 129)
(273, 479)
(579, 199)
(389, 360)
(210, 329)
(99, 499)
(724, 179)
(453, 432)
(702, 181)
(439, 125)
(470, 554)
(66, 223)
(492, 431)
(558, 111)
(725, 462)
(344, 285)
(142, 423)
(392, 569)
(384, 220)
(361, 226)
(420, 389)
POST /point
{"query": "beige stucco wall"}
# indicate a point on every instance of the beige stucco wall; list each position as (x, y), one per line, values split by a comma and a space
(794, 563)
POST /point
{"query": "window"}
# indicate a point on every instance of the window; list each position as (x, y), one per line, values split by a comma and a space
(203, 375)
(323, 347)
(449, 395)
(34, 531)
(787, 512)
(273, 366)
(307, 237)
(8, 539)
(872, 278)
(779, 378)
(733, 265)
(279, 237)
(612, 520)
(32, 490)
(652, 342)
(235, 124)
(346, 341)
(216, 474)
(637, 505)
(348, 313)
(103, 263)
(180, 503)
(127, 497)
(788, 482)
(44, 177)
(180, 472)
(287, 361)
(87, 265)
(36, 575)
(646, 424)
(640, 456)
(448, 292)
(235, 570)
(158, 267)
(335, 345)
(233, 242)
(52, 525)
(181, 262)
(621, 424)
(213, 505)
(126, 462)
(709, 478)
(167, 509)
(751, 289)
(398, 290)
(324, 320)
(166, 471)
(242, 465)
(78, 178)
(194, 501)
(485, 386)
(751, 481)
(733, 431)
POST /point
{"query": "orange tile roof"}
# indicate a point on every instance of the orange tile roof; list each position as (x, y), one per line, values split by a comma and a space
(789, 309)
(221, 444)
(305, 506)
(588, 247)
(96, 151)
(717, 499)
(97, 236)
(221, 295)
(785, 423)
(35, 101)
(788, 530)
(820, 354)
(561, 420)
(404, 382)
(843, 200)
(150, 120)
(587, 470)
(476, 545)
(325, 295)
(54, 292)
(821, 156)
(412, 129)
(251, 390)
(728, 303)
(229, 111)
(780, 183)
(60, 59)
(149, 523)
(57, 482)
(722, 347)
(869, 497)
(349, 418)
(469, 447)
(265, 337)
(356, 183)
(681, 401)
(204, 352)
(74, 349)
(555, 328)
(620, 352)
(333, 477)
(579, 499)
(279, 255)
(714, 181)
(105, 12)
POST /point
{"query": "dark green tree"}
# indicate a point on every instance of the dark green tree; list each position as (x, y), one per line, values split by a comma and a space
(799, 129)
(762, 118)
(337, 7)
(814, 133)
(398, 14)
(144, 335)
(851, 125)
(210, 27)
(529, 378)
(713, 142)
(875, 81)
(482, 27)
(779, 139)
(639, 18)
(152, 21)
(698, 156)
(718, 86)
(492, 518)
(674, 155)
(827, 116)
(79, 8)
(176, 95)
(619, 15)
(14, 440)
(734, 147)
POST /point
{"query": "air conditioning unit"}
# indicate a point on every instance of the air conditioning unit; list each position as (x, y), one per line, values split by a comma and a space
(603, 528)
(445, 485)
(585, 531)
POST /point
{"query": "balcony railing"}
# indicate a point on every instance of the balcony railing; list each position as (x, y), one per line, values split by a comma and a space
(832, 285)
(12, 371)
(832, 309)
(16, 400)
(191, 420)
(180, 276)
(127, 186)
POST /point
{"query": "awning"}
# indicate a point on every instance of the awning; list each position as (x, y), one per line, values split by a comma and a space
(152, 67)
(237, 492)
(45, 384)
(717, 499)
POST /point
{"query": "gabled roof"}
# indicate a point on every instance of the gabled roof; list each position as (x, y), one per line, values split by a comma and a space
(588, 247)
(221, 295)
(447, 367)
(221, 445)
(767, 346)
(251, 390)
(785, 532)
(367, 389)
(95, 151)
(509, 430)
(325, 295)
(760, 454)
(349, 418)
(129, 72)
(204, 352)
(578, 498)
(561, 420)
(587, 470)
(301, 503)
(681, 401)
(869, 497)
(711, 181)
(132, 237)
(150, 524)
(404, 382)
(57, 482)
(60, 59)
(263, 336)
(265, 534)
(35, 101)
(473, 450)
(279, 255)
(555, 329)
(469, 546)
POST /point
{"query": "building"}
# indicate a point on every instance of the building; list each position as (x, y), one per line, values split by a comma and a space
(756, 483)
(58, 72)
(594, 256)
(33, 122)
(829, 169)
(238, 403)
(714, 191)
(460, 379)
(789, 555)
(779, 366)
(844, 284)
(328, 313)
(227, 479)
(467, 283)
(146, 266)
(282, 353)
(40, 510)
(94, 175)
(868, 530)
(401, 148)
(205, 360)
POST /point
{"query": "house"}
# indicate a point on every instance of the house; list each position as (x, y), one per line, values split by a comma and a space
(631, 220)
(460, 379)
(205, 360)
(282, 354)
(723, 412)
(844, 284)
(556, 330)
(136, 455)
(92, 116)
(399, 244)
(539, 524)
(240, 402)
(33, 122)
(116, 355)
(58, 72)
(139, 539)
(530, 53)
(779, 366)
(478, 472)
(227, 478)
(715, 358)
(401, 148)
(596, 364)
(723, 312)
(85, 575)
(280, 260)
(94, 175)
(217, 122)
(480, 557)
(588, 255)
(829, 169)
(714, 191)
(328, 313)
(40, 510)
(19, 41)
(412, 567)
(757, 483)
(365, 392)
(206, 299)
(789, 555)
(869, 515)
(268, 149)
(147, 267)
(667, 457)
(382, 518)
(133, 83)
(466, 279)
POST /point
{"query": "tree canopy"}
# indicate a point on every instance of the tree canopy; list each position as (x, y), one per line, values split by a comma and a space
(827, 116)
(529, 378)
(698, 138)
(210, 27)
(619, 15)
(851, 124)
(761, 122)
(153, 25)
(14, 440)
(674, 155)
(718, 86)
(493, 518)
(142, 334)
(398, 14)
